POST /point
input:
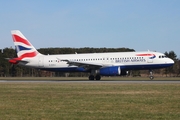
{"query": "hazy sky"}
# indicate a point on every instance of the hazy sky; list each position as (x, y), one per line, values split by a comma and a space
(135, 24)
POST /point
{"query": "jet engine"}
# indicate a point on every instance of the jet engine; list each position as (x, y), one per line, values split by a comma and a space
(112, 71)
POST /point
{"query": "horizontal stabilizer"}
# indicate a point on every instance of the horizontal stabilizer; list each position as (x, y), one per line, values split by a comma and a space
(16, 60)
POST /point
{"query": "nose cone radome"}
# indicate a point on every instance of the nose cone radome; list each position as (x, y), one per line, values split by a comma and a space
(170, 61)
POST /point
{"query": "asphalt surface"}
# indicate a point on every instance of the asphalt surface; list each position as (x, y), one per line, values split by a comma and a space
(100, 81)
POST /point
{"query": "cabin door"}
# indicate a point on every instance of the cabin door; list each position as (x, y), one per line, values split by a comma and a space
(41, 61)
(149, 60)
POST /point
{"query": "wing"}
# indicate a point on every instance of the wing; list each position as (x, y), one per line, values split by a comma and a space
(85, 65)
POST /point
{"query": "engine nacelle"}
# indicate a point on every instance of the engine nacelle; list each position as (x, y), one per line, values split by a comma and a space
(112, 71)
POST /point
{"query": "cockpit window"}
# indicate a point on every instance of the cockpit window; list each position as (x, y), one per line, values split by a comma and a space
(162, 56)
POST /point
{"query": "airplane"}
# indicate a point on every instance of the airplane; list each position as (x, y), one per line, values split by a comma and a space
(97, 64)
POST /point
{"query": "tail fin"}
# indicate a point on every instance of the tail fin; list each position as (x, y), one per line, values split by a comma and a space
(24, 48)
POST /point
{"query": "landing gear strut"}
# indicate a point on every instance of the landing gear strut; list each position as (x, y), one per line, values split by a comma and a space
(151, 75)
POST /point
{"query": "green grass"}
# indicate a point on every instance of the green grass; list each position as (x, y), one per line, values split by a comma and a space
(89, 101)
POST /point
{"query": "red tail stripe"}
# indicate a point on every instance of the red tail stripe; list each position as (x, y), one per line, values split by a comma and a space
(32, 54)
(17, 38)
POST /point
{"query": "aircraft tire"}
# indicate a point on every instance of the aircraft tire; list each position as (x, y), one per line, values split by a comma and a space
(91, 77)
(98, 77)
(151, 77)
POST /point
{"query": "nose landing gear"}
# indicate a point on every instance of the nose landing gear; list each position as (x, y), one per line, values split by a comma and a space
(151, 75)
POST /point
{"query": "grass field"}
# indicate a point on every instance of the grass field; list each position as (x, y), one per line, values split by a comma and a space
(89, 101)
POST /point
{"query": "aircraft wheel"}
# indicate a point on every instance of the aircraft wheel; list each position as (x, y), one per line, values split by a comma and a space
(151, 77)
(98, 77)
(91, 77)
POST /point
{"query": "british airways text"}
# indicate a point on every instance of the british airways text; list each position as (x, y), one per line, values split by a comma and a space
(130, 60)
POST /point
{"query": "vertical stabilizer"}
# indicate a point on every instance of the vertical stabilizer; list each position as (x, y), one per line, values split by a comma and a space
(24, 48)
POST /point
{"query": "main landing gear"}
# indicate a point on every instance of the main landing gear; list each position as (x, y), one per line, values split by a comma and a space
(92, 77)
(151, 75)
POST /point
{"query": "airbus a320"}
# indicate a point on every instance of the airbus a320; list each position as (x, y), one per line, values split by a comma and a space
(97, 64)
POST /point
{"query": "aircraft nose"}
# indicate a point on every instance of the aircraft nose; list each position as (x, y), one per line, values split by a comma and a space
(170, 61)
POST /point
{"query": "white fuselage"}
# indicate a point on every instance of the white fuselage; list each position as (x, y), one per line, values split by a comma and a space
(128, 60)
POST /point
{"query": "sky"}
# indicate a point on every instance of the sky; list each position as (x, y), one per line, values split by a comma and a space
(136, 24)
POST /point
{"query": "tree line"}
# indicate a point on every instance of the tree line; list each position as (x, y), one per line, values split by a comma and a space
(10, 70)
